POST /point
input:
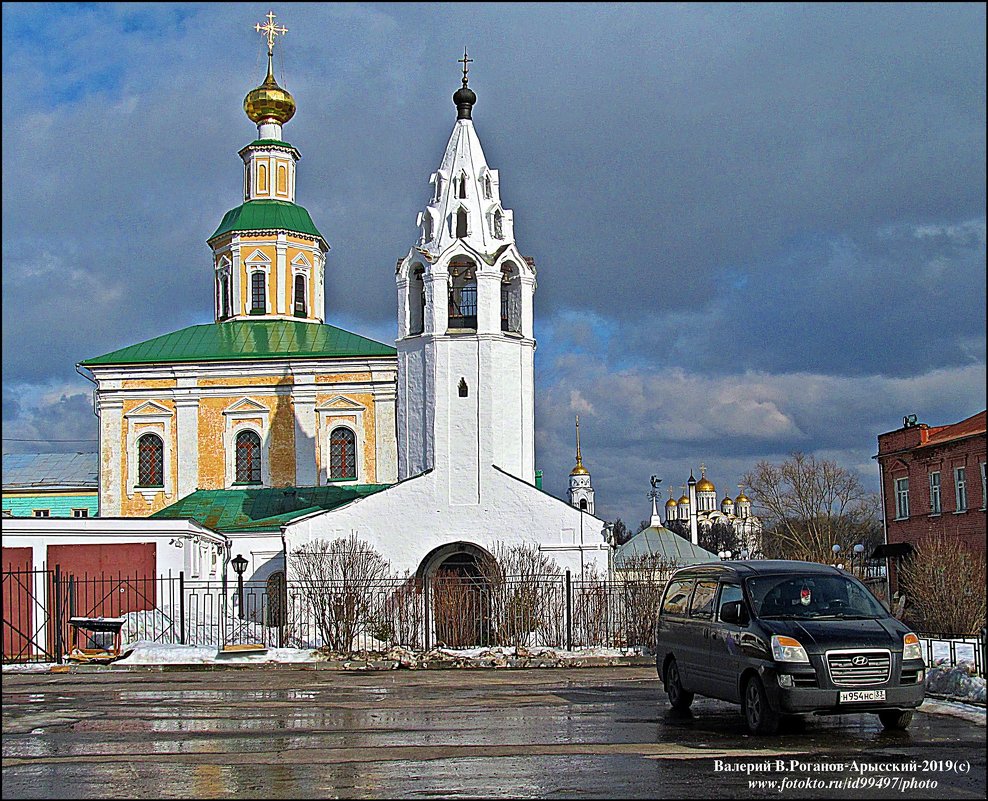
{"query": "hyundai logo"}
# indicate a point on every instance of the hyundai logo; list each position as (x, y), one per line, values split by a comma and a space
(859, 661)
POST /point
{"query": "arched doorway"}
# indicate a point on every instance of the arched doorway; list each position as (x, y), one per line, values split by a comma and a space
(456, 578)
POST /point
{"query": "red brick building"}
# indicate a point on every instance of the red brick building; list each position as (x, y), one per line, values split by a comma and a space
(933, 482)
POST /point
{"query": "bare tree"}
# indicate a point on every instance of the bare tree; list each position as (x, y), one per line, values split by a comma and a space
(808, 505)
(524, 585)
(641, 593)
(945, 587)
(341, 582)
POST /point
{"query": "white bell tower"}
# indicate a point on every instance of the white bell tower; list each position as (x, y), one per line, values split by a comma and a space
(466, 386)
(580, 488)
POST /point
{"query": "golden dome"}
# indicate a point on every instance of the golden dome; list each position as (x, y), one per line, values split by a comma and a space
(269, 101)
(742, 498)
(704, 485)
(727, 500)
(671, 503)
(579, 470)
(684, 500)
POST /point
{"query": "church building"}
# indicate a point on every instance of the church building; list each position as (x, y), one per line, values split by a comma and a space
(267, 395)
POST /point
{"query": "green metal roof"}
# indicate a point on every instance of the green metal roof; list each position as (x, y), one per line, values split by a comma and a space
(270, 142)
(264, 508)
(247, 339)
(661, 542)
(268, 215)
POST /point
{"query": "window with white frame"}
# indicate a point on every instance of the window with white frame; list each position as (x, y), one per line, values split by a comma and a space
(342, 453)
(300, 310)
(150, 461)
(982, 485)
(248, 458)
(901, 498)
(960, 488)
(258, 293)
(42, 512)
(935, 505)
(80, 513)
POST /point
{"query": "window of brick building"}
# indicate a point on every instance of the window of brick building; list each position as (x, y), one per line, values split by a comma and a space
(960, 488)
(901, 498)
(935, 506)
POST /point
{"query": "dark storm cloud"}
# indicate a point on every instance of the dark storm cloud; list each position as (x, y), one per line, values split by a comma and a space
(724, 197)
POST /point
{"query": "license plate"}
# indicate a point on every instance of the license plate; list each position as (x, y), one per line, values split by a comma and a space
(850, 696)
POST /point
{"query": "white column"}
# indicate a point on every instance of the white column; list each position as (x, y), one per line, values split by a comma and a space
(110, 456)
(304, 401)
(386, 448)
(187, 434)
(281, 274)
(237, 305)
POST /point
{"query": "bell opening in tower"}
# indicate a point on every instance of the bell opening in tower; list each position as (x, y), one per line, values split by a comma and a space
(463, 296)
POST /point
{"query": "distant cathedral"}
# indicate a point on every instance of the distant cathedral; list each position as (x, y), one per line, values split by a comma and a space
(698, 508)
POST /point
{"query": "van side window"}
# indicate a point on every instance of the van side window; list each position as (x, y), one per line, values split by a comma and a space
(703, 600)
(728, 593)
(677, 597)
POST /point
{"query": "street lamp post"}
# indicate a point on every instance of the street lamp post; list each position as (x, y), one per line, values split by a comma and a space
(240, 565)
(859, 555)
(836, 550)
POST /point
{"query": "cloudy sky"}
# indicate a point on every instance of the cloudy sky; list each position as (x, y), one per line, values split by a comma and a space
(758, 228)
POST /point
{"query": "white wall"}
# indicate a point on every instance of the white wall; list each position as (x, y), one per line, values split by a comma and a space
(406, 522)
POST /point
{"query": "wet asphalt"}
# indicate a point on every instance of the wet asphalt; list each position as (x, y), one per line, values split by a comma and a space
(552, 733)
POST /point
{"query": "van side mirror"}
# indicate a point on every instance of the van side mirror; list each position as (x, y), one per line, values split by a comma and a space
(734, 612)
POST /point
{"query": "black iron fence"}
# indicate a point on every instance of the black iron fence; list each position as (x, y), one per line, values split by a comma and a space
(552, 611)
(351, 615)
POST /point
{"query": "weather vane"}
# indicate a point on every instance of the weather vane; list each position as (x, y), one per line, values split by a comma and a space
(270, 31)
(465, 61)
(654, 492)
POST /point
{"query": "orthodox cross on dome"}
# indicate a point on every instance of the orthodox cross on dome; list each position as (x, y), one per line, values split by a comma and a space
(465, 61)
(703, 469)
(270, 31)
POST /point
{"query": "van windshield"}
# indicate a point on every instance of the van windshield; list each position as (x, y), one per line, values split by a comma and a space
(819, 596)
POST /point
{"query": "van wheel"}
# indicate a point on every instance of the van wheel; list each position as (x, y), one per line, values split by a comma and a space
(758, 715)
(679, 698)
(896, 718)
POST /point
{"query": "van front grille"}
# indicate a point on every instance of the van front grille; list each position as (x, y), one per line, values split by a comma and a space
(859, 668)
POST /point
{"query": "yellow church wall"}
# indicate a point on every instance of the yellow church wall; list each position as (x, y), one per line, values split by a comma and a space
(338, 378)
(281, 448)
(247, 381)
(212, 459)
(157, 383)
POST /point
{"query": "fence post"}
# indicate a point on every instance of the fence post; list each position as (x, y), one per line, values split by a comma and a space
(426, 615)
(58, 614)
(181, 607)
(569, 611)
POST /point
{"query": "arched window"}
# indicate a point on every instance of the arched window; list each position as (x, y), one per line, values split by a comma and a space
(342, 453)
(150, 461)
(227, 299)
(498, 225)
(300, 296)
(258, 301)
(463, 185)
(488, 191)
(426, 227)
(462, 389)
(461, 223)
(277, 598)
(462, 295)
(439, 185)
(248, 458)
(583, 504)
(510, 299)
(416, 300)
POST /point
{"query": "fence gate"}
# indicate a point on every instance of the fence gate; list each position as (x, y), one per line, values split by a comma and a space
(35, 615)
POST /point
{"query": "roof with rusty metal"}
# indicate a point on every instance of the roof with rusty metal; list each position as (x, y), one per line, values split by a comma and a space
(246, 339)
(263, 508)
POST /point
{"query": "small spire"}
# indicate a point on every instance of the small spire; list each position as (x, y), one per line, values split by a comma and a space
(579, 470)
(464, 97)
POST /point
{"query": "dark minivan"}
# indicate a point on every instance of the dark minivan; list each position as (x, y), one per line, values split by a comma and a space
(785, 638)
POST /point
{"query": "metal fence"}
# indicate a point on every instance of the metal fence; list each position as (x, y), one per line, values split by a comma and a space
(945, 650)
(344, 616)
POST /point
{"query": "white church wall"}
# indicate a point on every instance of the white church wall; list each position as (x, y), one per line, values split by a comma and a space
(408, 521)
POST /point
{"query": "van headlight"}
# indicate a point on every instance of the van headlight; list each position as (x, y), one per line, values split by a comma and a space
(911, 649)
(787, 649)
